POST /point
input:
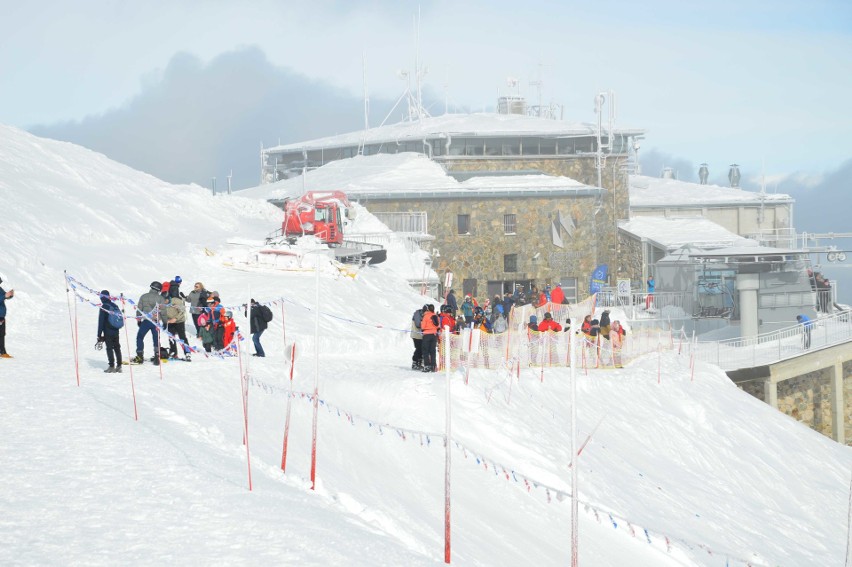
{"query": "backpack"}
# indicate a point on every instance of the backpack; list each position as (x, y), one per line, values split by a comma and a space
(266, 313)
(115, 317)
(500, 325)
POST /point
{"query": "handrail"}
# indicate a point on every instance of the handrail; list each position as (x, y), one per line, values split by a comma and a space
(783, 344)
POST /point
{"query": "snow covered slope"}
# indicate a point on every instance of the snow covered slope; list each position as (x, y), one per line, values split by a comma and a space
(687, 471)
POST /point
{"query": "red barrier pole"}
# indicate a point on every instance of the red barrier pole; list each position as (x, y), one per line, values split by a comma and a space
(447, 461)
(159, 343)
(244, 393)
(71, 319)
(289, 403)
(129, 366)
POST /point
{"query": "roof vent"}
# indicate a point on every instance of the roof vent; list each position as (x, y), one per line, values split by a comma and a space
(734, 175)
(703, 174)
(668, 173)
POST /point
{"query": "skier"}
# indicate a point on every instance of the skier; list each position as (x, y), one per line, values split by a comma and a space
(4, 295)
(108, 334)
(417, 338)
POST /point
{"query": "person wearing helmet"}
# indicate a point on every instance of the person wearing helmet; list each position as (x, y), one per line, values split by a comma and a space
(229, 328)
(147, 318)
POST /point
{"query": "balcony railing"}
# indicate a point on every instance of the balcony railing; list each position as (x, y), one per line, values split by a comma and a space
(769, 348)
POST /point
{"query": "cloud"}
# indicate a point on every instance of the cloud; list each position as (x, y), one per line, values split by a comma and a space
(194, 121)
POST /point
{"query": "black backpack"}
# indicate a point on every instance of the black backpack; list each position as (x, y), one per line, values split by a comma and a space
(202, 298)
(266, 313)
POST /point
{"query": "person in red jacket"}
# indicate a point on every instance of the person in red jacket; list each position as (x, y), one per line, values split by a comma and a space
(557, 295)
(548, 324)
(230, 328)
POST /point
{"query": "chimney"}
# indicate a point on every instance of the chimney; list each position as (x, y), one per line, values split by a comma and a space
(734, 175)
(703, 173)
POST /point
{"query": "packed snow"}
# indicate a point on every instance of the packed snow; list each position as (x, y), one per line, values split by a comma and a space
(680, 468)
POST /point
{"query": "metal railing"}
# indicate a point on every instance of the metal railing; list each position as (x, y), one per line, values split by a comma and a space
(769, 348)
(640, 304)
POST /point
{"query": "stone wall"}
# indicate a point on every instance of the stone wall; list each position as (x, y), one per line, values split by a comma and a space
(807, 399)
(480, 254)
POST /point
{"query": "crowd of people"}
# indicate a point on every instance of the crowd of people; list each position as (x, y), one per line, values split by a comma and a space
(165, 308)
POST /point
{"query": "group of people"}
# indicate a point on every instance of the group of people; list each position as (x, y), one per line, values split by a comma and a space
(164, 307)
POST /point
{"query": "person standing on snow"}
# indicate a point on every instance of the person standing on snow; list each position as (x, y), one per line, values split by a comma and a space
(429, 327)
(148, 315)
(4, 295)
(197, 300)
(417, 338)
(229, 328)
(257, 324)
(175, 316)
(108, 334)
(451, 301)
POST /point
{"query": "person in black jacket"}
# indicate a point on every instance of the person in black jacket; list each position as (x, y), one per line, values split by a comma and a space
(108, 334)
(257, 324)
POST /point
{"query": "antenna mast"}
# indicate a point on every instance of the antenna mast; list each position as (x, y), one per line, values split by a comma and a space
(366, 105)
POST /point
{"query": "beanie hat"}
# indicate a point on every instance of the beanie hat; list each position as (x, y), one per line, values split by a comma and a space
(105, 293)
(533, 319)
(165, 286)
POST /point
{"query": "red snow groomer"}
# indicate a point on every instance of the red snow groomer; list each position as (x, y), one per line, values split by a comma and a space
(317, 213)
(322, 214)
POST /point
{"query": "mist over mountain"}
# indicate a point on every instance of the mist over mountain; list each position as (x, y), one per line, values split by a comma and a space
(193, 121)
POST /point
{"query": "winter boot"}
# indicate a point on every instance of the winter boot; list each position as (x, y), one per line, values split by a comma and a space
(109, 369)
(118, 368)
(416, 365)
(426, 369)
(187, 358)
(156, 361)
(138, 359)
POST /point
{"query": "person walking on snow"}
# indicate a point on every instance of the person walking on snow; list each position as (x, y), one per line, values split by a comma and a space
(4, 295)
(108, 334)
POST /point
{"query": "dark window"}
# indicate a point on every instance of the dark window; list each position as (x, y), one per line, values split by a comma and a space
(510, 263)
(464, 224)
(469, 287)
(509, 224)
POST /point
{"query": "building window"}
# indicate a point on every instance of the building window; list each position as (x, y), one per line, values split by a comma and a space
(510, 262)
(508, 224)
(464, 224)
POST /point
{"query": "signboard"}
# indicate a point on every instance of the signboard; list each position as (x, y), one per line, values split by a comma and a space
(448, 280)
(624, 288)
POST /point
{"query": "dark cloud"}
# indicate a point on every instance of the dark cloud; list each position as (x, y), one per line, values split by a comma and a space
(194, 121)
(824, 206)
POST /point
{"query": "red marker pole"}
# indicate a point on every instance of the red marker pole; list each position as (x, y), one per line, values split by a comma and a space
(447, 459)
(130, 367)
(71, 319)
(289, 403)
(244, 394)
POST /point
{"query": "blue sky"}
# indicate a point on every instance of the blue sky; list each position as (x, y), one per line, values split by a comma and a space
(752, 82)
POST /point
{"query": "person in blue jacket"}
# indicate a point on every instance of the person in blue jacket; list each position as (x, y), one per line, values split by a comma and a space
(4, 295)
(806, 324)
(108, 334)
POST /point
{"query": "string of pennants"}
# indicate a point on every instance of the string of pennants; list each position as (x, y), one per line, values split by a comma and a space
(507, 473)
(76, 285)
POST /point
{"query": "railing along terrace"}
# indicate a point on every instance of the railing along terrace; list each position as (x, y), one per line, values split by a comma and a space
(769, 348)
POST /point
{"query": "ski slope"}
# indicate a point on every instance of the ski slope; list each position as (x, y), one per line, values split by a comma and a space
(681, 468)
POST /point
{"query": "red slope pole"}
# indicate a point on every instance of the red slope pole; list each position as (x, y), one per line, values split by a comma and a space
(130, 366)
(71, 320)
(244, 393)
(287, 419)
(447, 460)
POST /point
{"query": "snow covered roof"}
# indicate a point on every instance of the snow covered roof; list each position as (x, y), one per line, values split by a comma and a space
(464, 125)
(411, 175)
(658, 192)
(670, 234)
